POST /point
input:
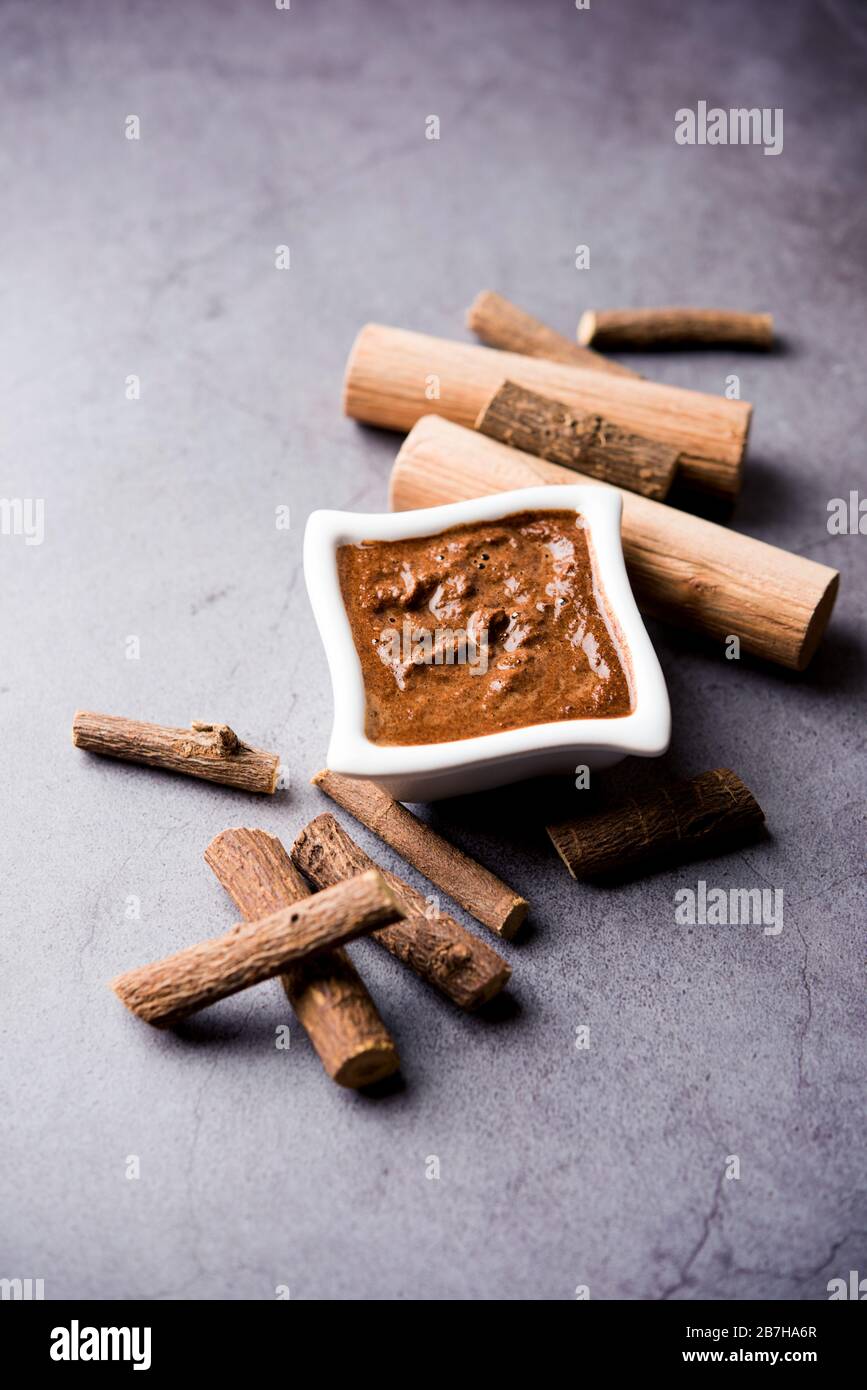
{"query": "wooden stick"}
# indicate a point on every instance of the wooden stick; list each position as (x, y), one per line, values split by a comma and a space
(681, 821)
(328, 995)
(212, 752)
(668, 327)
(501, 324)
(686, 570)
(170, 989)
(478, 890)
(394, 377)
(525, 420)
(461, 966)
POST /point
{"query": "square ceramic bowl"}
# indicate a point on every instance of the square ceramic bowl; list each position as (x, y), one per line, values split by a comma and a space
(426, 772)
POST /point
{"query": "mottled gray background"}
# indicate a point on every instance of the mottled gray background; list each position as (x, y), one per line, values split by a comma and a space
(259, 127)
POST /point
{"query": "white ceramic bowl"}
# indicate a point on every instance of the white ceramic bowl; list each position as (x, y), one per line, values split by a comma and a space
(426, 772)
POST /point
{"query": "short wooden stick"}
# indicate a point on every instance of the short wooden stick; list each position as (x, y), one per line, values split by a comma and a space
(551, 430)
(212, 752)
(671, 327)
(393, 378)
(501, 324)
(170, 989)
(442, 952)
(680, 821)
(328, 995)
(483, 895)
(686, 570)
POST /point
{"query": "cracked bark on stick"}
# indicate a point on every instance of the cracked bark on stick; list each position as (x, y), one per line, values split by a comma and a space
(484, 895)
(212, 752)
(328, 995)
(680, 821)
(551, 430)
(168, 990)
(442, 952)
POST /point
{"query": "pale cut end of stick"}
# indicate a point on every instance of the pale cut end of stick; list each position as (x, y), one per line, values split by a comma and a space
(818, 623)
(514, 918)
(375, 1061)
(586, 328)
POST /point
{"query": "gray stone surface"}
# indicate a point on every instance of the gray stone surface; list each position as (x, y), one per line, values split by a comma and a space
(156, 257)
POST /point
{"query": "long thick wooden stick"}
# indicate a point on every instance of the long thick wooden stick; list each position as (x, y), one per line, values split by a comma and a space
(442, 952)
(170, 989)
(683, 569)
(393, 377)
(501, 324)
(328, 995)
(478, 890)
(212, 752)
(668, 327)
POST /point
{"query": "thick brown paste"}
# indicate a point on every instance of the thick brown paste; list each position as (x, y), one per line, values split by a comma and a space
(490, 626)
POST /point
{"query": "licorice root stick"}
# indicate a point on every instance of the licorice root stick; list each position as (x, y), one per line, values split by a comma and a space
(212, 752)
(330, 999)
(168, 990)
(442, 952)
(680, 821)
(484, 895)
(671, 327)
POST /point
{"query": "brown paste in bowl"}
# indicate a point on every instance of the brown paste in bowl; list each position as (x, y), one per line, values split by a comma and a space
(489, 626)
